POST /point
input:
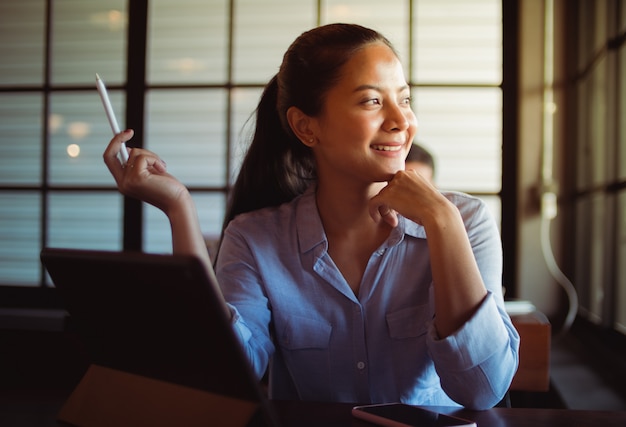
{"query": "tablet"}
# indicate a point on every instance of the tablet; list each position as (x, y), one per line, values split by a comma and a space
(156, 316)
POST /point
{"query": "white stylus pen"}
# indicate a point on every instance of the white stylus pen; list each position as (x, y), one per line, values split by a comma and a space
(102, 90)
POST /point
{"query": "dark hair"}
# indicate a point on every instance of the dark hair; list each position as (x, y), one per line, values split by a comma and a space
(417, 153)
(277, 166)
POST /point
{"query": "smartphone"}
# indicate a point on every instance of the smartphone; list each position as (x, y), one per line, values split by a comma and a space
(403, 415)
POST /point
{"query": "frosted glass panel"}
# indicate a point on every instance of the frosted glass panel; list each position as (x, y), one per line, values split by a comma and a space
(244, 103)
(621, 171)
(494, 204)
(22, 25)
(187, 129)
(20, 231)
(85, 220)
(263, 32)
(596, 156)
(387, 17)
(584, 28)
(157, 231)
(462, 128)
(88, 37)
(211, 208)
(20, 138)
(597, 256)
(620, 316)
(187, 41)
(583, 175)
(79, 134)
(582, 248)
(590, 255)
(157, 236)
(457, 41)
(601, 33)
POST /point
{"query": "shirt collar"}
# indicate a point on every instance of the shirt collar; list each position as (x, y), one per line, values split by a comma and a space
(311, 232)
(308, 222)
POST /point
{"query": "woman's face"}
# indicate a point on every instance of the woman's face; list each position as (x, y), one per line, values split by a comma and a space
(367, 125)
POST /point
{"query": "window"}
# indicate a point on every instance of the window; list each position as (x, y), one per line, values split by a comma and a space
(598, 202)
(206, 65)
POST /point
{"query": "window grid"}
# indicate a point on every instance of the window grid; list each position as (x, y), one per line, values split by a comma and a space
(59, 88)
(596, 234)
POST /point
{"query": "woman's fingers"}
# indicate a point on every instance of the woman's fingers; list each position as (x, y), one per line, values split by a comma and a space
(144, 176)
(407, 194)
(111, 153)
(388, 215)
(382, 212)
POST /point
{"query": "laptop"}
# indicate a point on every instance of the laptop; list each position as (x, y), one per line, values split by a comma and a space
(158, 333)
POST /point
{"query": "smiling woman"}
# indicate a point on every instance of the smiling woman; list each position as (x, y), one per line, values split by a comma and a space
(327, 233)
(207, 63)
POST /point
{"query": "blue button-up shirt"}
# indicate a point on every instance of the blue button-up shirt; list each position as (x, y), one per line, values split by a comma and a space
(294, 311)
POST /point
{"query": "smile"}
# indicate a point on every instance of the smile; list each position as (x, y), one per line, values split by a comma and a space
(387, 147)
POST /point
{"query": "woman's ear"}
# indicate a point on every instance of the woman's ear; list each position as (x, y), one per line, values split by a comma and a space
(301, 125)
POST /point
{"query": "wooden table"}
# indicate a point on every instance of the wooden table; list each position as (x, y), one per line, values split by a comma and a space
(304, 414)
(39, 408)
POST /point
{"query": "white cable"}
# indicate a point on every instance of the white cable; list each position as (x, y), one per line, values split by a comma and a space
(548, 196)
(559, 276)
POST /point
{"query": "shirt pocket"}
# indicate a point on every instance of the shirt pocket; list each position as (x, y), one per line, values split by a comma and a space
(305, 348)
(302, 333)
(411, 322)
(411, 366)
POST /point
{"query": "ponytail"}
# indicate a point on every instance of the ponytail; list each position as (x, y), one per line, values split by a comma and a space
(277, 166)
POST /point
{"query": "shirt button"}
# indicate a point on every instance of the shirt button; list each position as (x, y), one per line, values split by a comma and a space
(360, 365)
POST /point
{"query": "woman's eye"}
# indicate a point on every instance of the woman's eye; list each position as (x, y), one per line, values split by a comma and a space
(372, 101)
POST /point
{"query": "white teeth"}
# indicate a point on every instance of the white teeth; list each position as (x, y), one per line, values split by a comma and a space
(386, 147)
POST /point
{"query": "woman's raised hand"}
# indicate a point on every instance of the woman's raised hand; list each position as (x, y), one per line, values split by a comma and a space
(145, 176)
(409, 194)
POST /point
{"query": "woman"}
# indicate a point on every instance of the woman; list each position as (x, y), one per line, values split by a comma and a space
(350, 278)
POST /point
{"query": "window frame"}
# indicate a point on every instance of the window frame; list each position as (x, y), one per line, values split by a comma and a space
(136, 88)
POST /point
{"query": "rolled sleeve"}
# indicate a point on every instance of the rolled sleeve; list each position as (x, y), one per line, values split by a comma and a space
(258, 359)
(480, 359)
(241, 330)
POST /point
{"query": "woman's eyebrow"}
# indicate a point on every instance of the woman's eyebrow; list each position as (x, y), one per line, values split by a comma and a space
(378, 88)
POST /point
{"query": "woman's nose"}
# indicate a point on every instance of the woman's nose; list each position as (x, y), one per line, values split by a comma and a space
(396, 118)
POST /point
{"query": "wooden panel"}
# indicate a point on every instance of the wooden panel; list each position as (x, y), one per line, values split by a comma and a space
(108, 397)
(533, 373)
